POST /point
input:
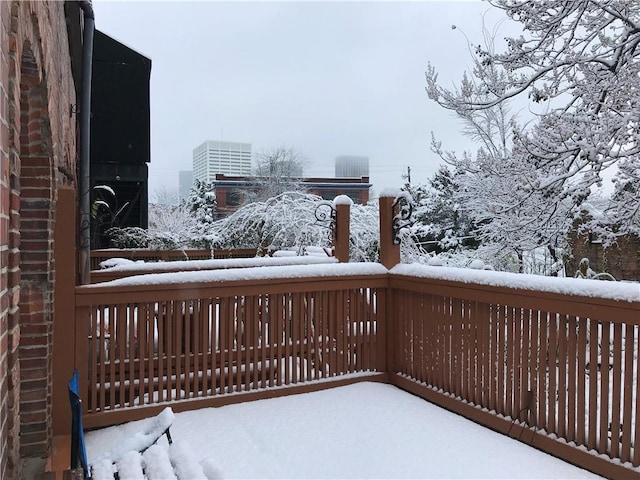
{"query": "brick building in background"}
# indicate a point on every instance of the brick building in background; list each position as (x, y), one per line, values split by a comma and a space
(621, 260)
(40, 56)
(233, 192)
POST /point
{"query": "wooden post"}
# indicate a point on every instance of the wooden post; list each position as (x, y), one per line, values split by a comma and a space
(389, 252)
(64, 308)
(341, 236)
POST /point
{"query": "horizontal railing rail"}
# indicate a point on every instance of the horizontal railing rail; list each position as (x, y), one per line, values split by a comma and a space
(100, 255)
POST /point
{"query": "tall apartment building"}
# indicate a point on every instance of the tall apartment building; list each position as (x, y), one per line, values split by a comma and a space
(228, 158)
(352, 166)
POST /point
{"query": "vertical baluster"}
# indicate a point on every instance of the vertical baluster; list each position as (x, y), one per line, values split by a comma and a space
(240, 322)
(177, 323)
(502, 359)
(216, 364)
(510, 374)
(266, 339)
(535, 369)
(524, 364)
(629, 405)
(572, 374)
(186, 344)
(633, 335)
(593, 383)
(288, 337)
(311, 340)
(196, 350)
(161, 322)
(603, 444)
(223, 326)
(562, 376)
(474, 352)
(208, 369)
(582, 420)
(248, 343)
(132, 340)
(552, 366)
(112, 355)
(616, 404)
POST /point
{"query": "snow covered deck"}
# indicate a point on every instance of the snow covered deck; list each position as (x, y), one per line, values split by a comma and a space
(365, 430)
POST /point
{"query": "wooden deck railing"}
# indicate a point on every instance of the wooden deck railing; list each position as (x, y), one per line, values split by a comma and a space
(533, 364)
(157, 343)
(98, 256)
(536, 365)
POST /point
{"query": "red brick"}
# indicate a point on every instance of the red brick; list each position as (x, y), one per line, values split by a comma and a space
(33, 449)
(35, 207)
(34, 385)
(29, 182)
(33, 395)
(34, 417)
(32, 304)
(14, 201)
(35, 245)
(34, 224)
(33, 330)
(31, 170)
(33, 374)
(13, 260)
(33, 352)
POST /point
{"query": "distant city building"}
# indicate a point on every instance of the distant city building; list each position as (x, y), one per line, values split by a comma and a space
(352, 166)
(214, 157)
(185, 179)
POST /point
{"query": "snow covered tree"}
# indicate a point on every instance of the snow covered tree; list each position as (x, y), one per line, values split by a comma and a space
(277, 171)
(580, 59)
(287, 220)
(441, 223)
(201, 203)
(499, 186)
(364, 238)
(171, 227)
(201, 206)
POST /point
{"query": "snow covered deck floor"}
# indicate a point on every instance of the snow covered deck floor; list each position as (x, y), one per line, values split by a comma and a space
(365, 430)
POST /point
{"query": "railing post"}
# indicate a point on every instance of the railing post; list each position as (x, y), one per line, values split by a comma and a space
(389, 251)
(80, 352)
(341, 235)
(64, 308)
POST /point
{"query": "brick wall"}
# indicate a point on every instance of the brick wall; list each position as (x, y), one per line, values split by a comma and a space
(6, 417)
(37, 155)
(621, 260)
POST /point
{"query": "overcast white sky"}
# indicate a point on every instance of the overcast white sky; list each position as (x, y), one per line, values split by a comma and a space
(326, 78)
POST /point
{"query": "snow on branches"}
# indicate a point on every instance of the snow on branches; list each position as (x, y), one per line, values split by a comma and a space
(580, 60)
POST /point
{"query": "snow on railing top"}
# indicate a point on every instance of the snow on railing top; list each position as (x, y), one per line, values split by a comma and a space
(390, 192)
(247, 274)
(183, 265)
(342, 200)
(623, 291)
